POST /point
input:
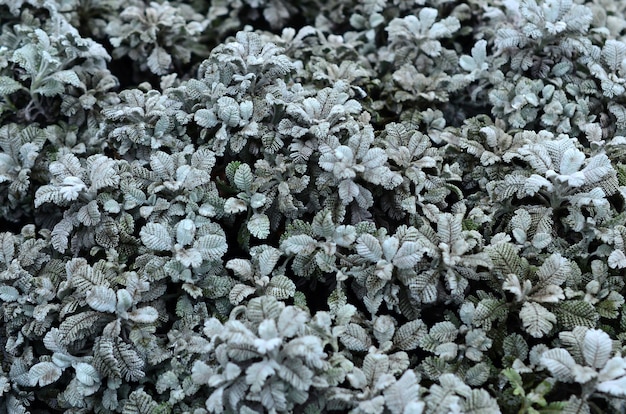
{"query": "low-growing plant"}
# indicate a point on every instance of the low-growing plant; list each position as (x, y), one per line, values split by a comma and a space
(373, 207)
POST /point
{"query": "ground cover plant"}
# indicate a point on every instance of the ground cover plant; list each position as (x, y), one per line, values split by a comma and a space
(352, 206)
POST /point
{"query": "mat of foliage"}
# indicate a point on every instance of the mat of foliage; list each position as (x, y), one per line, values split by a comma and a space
(268, 206)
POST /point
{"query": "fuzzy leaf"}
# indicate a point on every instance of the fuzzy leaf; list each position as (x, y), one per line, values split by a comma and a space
(44, 373)
(536, 319)
(9, 85)
(102, 299)
(211, 246)
(369, 248)
(597, 348)
(156, 236)
(355, 338)
(560, 364)
(259, 225)
(159, 61)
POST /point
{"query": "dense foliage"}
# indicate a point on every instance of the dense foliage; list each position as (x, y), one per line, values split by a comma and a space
(364, 206)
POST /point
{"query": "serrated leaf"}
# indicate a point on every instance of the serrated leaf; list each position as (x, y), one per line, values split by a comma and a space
(211, 246)
(259, 225)
(243, 177)
(298, 244)
(536, 319)
(239, 292)
(369, 247)
(228, 111)
(205, 118)
(355, 338)
(407, 255)
(156, 236)
(102, 298)
(614, 53)
(291, 320)
(267, 260)
(281, 287)
(159, 61)
(560, 363)
(9, 85)
(147, 314)
(597, 348)
(409, 335)
(9, 294)
(44, 373)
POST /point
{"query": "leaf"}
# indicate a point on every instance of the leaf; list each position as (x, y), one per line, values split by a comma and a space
(480, 402)
(69, 77)
(243, 177)
(89, 214)
(102, 172)
(409, 335)
(614, 53)
(264, 307)
(298, 244)
(560, 364)
(9, 85)
(554, 270)
(259, 225)
(267, 260)
(400, 394)
(291, 320)
(257, 374)
(478, 59)
(205, 118)
(212, 246)
(239, 292)
(241, 268)
(9, 294)
(228, 111)
(129, 362)
(617, 259)
(355, 338)
(369, 248)
(156, 236)
(147, 314)
(44, 373)
(449, 228)
(185, 232)
(597, 168)
(615, 387)
(102, 299)
(597, 348)
(281, 287)
(79, 326)
(86, 374)
(536, 319)
(140, 402)
(574, 313)
(159, 61)
(348, 190)
(162, 164)
(407, 255)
